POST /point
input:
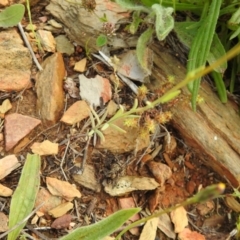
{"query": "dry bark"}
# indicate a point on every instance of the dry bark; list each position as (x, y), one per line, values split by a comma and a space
(213, 131)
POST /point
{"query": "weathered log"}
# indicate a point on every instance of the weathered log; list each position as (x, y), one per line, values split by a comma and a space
(213, 131)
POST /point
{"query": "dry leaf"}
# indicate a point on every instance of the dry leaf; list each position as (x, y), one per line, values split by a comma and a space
(128, 184)
(179, 219)
(3, 222)
(21, 145)
(5, 191)
(160, 171)
(205, 208)
(7, 165)
(80, 66)
(6, 106)
(62, 189)
(62, 222)
(149, 229)
(60, 210)
(49, 200)
(45, 148)
(187, 234)
(166, 226)
(77, 112)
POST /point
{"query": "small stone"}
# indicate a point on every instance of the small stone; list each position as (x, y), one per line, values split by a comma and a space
(15, 68)
(47, 40)
(55, 23)
(43, 19)
(160, 171)
(64, 45)
(88, 178)
(62, 222)
(77, 112)
(49, 88)
(81, 65)
(94, 89)
(17, 126)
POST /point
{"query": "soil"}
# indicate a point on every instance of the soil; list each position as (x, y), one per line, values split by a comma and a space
(189, 173)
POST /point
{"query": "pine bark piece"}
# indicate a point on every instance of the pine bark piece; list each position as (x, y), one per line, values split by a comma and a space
(17, 126)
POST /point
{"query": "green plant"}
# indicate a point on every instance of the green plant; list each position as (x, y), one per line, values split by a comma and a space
(209, 192)
(12, 15)
(23, 199)
(99, 124)
(158, 19)
(32, 27)
(208, 38)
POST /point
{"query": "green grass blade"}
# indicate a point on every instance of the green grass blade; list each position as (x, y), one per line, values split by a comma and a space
(23, 199)
(201, 46)
(103, 228)
(221, 89)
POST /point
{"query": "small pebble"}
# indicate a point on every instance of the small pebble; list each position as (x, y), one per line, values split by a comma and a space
(55, 24)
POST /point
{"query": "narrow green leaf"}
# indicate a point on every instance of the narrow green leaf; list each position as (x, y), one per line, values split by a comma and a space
(187, 31)
(23, 199)
(221, 88)
(101, 40)
(201, 46)
(141, 49)
(100, 134)
(164, 21)
(12, 15)
(169, 96)
(103, 228)
(105, 126)
(117, 128)
(130, 5)
(136, 20)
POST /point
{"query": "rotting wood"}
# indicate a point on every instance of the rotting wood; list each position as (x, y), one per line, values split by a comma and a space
(213, 131)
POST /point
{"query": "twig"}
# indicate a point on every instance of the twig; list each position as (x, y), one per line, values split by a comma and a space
(85, 156)
(42, 236)
(27, 235)
(76, 208)
(23, 221)
(62, 161)
(29, 47)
